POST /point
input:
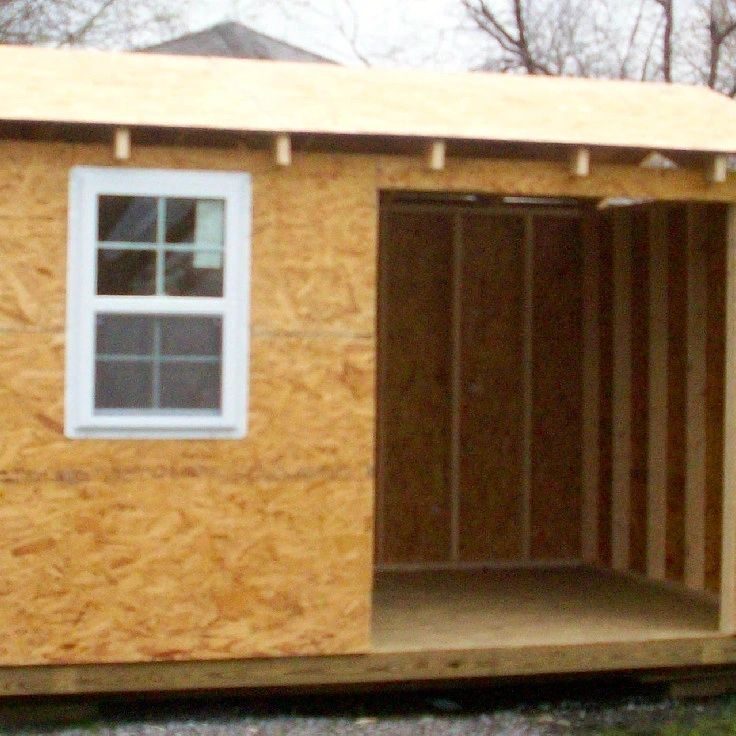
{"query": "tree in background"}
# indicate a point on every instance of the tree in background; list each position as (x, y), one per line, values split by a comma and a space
(690, 41)
(709, 47)
(667, 40)
(414, 33)
(670, 40)
(101, 23)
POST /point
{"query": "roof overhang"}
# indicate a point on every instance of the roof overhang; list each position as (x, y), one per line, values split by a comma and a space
(74, 87)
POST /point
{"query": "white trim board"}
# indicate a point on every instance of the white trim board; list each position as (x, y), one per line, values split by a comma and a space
(82, 419)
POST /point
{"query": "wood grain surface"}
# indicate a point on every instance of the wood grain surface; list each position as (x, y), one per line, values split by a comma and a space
(116, 551)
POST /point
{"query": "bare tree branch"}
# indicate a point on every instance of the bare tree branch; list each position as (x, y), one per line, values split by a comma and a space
(721, 25)
(668, 40)
(75, 36)
(649, 50)
(103, 23)
(669, 25)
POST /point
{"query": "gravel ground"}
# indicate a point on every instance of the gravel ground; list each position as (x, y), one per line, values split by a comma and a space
(533, 712)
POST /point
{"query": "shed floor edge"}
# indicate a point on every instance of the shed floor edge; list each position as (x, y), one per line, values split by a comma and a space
(450, 625)
(368, 668)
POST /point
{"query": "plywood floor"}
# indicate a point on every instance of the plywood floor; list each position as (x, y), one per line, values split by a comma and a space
(416, 611)
(452, 626)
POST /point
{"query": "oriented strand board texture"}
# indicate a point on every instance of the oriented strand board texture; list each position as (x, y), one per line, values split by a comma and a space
(248, 95)
(131, 551)
(543, 178)
(192, 568)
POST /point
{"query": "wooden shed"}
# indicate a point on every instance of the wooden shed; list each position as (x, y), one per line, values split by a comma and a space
(315, 375)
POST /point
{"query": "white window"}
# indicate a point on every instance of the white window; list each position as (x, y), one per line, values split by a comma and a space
(157, 300)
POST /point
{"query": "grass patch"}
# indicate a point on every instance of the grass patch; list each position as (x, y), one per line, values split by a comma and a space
(684, 721)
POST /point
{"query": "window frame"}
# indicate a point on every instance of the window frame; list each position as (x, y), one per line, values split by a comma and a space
(86, 183)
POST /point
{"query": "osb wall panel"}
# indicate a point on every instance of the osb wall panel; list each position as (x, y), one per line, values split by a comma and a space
(557, 393)
(151, 570)
(492, 395)
(125, 551)
(33, 267)
(311, 271)
(544, 178)
(320, 383)
(316, 276)
(415, 397)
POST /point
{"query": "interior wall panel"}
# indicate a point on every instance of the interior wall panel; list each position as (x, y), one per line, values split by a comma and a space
(663, 386)
(621, 410)
(677, 392)
(658, 384)
(557, 389)
(491, 402)
(590, 453)
(712, 221)
(440, 396)
(727, 623)
(415, 336)
(639, 387)
(696, 406)
(606, 390)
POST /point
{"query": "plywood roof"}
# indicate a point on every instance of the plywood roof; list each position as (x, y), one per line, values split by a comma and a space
(262, 96)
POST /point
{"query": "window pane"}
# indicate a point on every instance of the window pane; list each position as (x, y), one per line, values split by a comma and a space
(195, 221)
(196, 336)
(126, 219)
(194, 274)
(190, 385)
(164, 362)
(126, 272)
(123, 385)
(122, 334)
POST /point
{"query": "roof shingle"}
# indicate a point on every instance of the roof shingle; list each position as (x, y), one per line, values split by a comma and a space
(237, 41)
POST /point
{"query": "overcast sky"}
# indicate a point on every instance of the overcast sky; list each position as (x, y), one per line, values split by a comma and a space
(387, 32)
(428, 33)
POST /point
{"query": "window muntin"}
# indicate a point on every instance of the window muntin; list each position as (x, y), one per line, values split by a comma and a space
(165, 246)
(158, 363)
(157, 303)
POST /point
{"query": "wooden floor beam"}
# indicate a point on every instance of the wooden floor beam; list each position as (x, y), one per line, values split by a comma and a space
(366, 668)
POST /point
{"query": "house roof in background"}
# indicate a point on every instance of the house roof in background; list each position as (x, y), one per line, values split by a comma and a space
(234, 40)
(183, 92)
